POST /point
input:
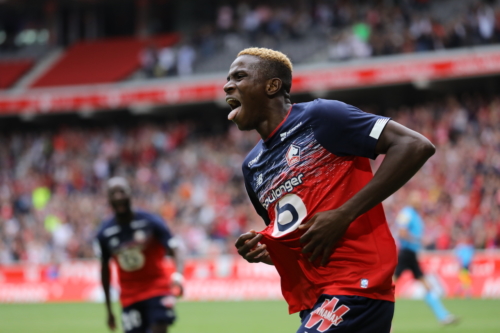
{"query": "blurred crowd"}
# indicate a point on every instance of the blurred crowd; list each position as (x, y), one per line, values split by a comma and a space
(52, 184)
(53, 198)
(349, 29)
(406, 28)
(460, 184)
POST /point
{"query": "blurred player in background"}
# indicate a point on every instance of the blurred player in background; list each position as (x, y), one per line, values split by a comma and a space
(310, 180)
(410, 232)
(464, 251)
(138, 242)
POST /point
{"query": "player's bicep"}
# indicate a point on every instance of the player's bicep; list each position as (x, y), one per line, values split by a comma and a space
(101, 251)
(394, 133)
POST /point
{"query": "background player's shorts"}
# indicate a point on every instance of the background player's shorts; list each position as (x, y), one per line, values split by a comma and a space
(347, 314)
(139, 317)
(407, 259)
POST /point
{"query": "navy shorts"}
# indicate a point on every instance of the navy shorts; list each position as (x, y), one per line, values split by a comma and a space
(140, 316)
(407, 259)
(353, 314)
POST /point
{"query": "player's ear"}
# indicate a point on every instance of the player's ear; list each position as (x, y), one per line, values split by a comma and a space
(273, 86)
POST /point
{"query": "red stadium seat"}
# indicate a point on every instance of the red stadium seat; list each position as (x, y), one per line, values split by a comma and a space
(102, 61)
(12, 70)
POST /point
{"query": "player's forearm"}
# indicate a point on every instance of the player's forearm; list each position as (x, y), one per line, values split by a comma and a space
(401, 162)
(105, 280)
(175, 250)
(179, 263)
(178, 257)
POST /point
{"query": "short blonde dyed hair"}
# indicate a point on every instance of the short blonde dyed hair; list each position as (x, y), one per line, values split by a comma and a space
(274, 64)
(268, 54)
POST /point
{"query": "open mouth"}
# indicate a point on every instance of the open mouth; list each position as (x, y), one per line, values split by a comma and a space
(235, 107)
(233, 103)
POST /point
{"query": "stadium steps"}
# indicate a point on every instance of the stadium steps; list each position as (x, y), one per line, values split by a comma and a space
(12, 70)
(39, 69)
(107, 60)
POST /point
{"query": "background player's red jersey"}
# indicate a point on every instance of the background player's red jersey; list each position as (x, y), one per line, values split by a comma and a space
(138, 249)
(315, 161)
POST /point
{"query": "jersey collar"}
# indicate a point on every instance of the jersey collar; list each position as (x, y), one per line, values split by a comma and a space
(268, 139)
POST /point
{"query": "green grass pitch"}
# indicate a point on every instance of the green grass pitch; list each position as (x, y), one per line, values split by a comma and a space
(482, 316)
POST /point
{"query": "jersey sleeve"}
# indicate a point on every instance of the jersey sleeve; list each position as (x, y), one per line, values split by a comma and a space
(161, 230)
(346, 130)
(256, 203)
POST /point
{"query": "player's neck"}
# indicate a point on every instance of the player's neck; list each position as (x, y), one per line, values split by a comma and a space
(125, 218)
(275, 112)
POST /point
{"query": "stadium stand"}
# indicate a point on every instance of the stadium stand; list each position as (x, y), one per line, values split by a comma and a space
(306, 31)
(107, 60)
(11, 71)
(51, 186)
(342, 30)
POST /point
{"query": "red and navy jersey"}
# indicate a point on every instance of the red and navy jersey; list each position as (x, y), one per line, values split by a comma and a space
(138, 249)
(315, 161)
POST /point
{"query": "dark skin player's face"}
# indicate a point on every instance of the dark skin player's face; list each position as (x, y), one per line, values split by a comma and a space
(119, 200)
(246, 93)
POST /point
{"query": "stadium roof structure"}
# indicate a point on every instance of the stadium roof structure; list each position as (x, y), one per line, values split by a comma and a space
(316, 79)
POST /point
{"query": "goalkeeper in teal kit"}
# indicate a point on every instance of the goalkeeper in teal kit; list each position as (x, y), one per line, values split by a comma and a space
(410, 232)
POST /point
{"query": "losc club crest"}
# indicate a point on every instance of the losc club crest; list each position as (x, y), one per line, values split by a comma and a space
(293, 155)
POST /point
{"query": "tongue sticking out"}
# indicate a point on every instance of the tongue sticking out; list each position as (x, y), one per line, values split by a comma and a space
(233, 114)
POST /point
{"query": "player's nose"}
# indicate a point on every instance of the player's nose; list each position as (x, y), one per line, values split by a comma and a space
(229, 86)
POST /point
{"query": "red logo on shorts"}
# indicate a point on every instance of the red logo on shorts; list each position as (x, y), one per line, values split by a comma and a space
(326, 314)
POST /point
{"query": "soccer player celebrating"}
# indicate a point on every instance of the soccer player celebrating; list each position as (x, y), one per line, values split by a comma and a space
(310, 180)
(138, 242)
(410, 232)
